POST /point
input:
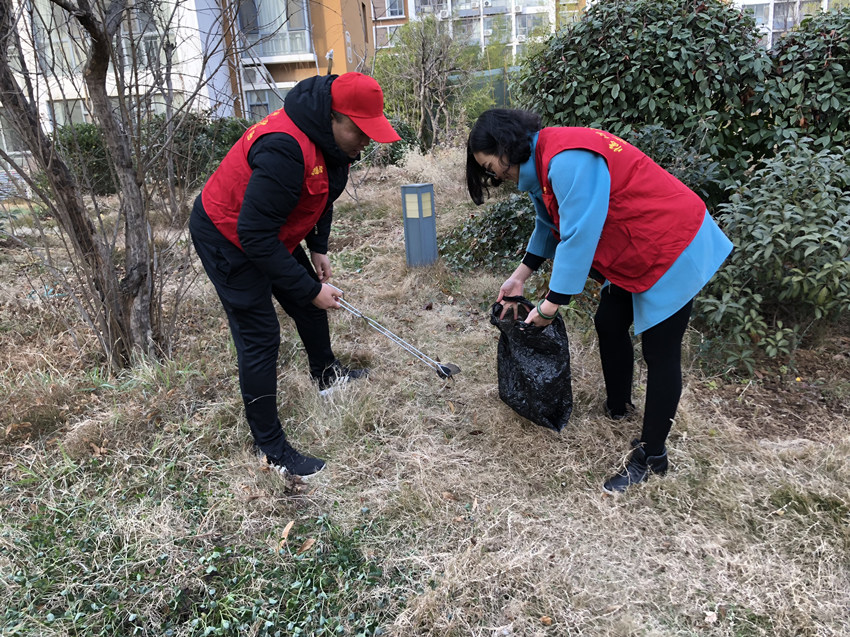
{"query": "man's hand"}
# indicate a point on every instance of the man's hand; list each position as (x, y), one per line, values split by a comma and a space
(328, 298)
(322, 265)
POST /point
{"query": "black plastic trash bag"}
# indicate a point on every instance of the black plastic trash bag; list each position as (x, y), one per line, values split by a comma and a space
(534, 366)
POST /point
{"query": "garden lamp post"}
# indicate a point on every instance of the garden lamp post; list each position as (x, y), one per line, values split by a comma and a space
(420, 224)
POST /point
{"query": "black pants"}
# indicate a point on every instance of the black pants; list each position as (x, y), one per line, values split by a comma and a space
(662, 351)
(246, 294)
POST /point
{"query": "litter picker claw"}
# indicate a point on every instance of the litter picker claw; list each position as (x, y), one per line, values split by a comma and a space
(444, 370)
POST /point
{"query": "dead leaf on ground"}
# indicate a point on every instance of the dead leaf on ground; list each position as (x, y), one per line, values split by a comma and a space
(308, 544)
(286, 531)
(18, 425)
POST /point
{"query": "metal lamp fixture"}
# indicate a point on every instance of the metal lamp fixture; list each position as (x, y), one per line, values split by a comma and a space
(420, 224)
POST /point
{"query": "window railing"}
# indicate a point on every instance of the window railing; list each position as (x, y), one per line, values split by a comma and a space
(260, 45)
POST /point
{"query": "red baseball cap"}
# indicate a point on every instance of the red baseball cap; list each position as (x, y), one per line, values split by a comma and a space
(361, 98)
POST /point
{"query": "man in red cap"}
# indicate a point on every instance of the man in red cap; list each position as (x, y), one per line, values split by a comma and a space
(274, 189)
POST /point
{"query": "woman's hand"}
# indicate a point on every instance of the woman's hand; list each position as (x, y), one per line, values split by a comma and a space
(511, 287)
(549, 309)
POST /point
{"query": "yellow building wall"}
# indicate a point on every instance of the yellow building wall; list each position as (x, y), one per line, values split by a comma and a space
(344, 26)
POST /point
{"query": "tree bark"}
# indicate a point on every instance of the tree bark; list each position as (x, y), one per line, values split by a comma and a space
(137, 283)
(70, 210)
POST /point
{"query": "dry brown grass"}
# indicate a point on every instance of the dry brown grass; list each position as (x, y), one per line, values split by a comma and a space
(482, 523)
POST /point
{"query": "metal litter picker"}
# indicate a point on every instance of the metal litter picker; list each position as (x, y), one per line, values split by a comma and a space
(444, 370)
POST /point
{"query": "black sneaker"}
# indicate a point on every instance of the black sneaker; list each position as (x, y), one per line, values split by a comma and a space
(628, 414)
(637, 469)
(336, 375)
(294, 463)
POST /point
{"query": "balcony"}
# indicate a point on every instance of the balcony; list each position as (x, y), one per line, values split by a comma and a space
(279, 47)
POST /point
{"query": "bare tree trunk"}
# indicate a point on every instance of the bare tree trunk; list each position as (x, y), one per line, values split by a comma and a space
(70, 209)
(137, 284)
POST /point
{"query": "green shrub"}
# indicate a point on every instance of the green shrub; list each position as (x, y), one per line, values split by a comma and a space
(494, 239)
(790, 269)
(197, 147)
(224, 132)
(376, 154)
(692, 67)
(808, 91)
(84, 149)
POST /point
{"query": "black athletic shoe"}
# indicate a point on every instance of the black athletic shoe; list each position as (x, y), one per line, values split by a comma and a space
(336, 375)
(637, 469)
(628, 414)
(294, 463)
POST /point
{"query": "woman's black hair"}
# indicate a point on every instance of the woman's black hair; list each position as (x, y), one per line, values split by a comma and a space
(503, 132)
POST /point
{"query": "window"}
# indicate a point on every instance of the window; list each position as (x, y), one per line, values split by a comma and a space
(58, 39)
(468, 31)
(150, 51)
(784, 16)
(778, 17)
(395, 8)
(529, 25)
(384, 36)
(274, 27)
(260, 103)
(432, 6)
(810, 7)
(64, 112)
(143, 50)
(9, 139)
(761, 13)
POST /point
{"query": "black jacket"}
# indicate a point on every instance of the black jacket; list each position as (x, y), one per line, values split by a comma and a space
(275, 187)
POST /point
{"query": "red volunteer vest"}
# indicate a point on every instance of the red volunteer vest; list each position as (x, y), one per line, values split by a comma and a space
(652, 216)
(225, 189)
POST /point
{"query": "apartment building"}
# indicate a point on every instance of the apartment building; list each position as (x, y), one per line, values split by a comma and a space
(514, 22)
(266, 46)
(511, 23)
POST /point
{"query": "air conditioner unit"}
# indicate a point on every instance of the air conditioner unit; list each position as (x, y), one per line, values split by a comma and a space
(488, 32)
(520, 38)
(474, 5)
(488, 3)
(518, 9)
(444, 14)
